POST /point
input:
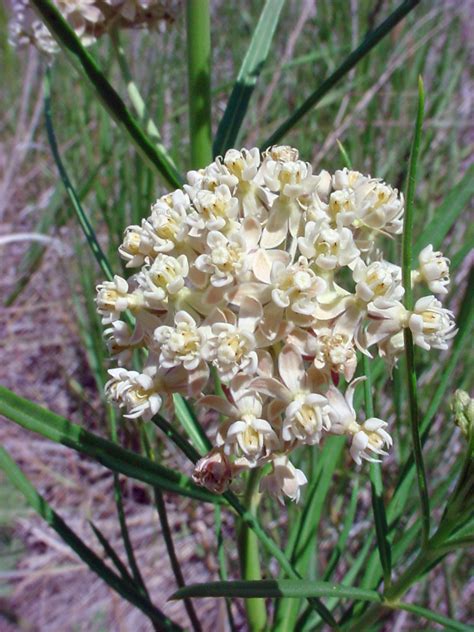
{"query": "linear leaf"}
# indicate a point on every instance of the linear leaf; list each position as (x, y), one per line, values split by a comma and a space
(112, 554)
(41, 506)
(449, 624)
(367, 44)
(58, 429)
(447, 213)
(187, 418)
(276, 588)
(253, 62)
(109, 98)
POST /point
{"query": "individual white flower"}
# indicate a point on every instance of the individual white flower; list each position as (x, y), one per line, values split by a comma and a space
(246, 434)
(227, 258)
(387, 318)
(134, 391)
(379, 207)
(296, 287)
(329, 248)
(180, 344)
(342, 207)
(167, 226)
(209, 179)
(433, 270)
(347, 179)
(163, 278)
(431, 324)
(307, 413)
(254, 199)
(113, 298)
(231, 345)
(378, 279)
(335, 351)
(284, 480)
(136, 246)
(214, 211)
(368, 438)
(122, 340)
(213, 471)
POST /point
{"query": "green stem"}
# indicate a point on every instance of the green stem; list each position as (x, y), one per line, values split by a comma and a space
(407, 256)
(198, 26)
(378, 505)
(249, 556)
(109, 98)
(136, 98)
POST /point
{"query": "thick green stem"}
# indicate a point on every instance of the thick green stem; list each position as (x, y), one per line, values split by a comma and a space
(199, 81)
(249, 556)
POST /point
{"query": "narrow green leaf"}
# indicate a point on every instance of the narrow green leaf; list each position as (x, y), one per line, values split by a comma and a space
(87, 555)
(109, 98)
(249, 72)
(187, 418)
(112, 554)
(407, 257)
(449, 624)
(81, 216)
(276, 588)
(367, 44)
(447, 213)
(52, 426)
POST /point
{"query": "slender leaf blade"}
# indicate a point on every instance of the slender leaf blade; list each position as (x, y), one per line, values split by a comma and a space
(254, 60)
(41, 506)
(276, 588)
(58, 429)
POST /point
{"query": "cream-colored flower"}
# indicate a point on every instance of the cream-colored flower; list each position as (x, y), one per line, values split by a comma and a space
(227, 258)
(136, 392)
(368, 438)
(231, 345)
(163, 279)
(307, 413)
(180, 344)
(284, 480)
(137, 245)
(113, 298)
(296, 287)
(431, 324)
(216, 211)
(329, 248)
(246, 434)
(378, 279)
(433, 270)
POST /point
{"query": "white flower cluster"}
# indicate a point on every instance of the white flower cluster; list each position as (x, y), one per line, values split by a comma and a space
(269, 274)
(89, 19)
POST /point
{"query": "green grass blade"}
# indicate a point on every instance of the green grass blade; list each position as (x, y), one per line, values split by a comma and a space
(112, 554)
(52, 426)
(187, 418)
(109, 98)
(276, 588)
(447, 213)
(371, 40)
(168, 538)
(88, 556)
(249, 72)
(378, 505)
(449, 624)
(198, 29)
(407, 257)
(81, 216)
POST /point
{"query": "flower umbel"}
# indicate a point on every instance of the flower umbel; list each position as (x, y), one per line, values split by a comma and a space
(269, 275)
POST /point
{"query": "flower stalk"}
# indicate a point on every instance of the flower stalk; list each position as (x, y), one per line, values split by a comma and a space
(249, 555)
(198, 26)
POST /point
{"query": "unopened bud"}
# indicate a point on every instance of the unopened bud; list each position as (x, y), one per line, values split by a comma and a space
(463, 408)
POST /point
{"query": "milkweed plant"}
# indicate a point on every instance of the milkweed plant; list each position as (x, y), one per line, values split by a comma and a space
(264, 299)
